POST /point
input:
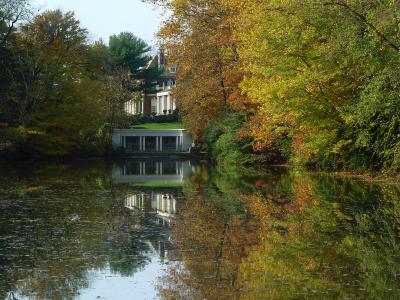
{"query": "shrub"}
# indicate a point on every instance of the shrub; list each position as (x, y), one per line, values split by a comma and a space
(222, 139)
(153, 118)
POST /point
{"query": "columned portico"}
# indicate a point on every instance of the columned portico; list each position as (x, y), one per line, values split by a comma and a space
(148, 140)
(142, 145)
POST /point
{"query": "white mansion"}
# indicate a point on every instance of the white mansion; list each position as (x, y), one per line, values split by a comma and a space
(160, 100)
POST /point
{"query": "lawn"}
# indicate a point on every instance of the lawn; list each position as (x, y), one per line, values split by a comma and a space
(158, 184)
(158, 126)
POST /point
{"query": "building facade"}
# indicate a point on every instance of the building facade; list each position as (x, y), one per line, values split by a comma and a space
(158, 98)
(152, 140)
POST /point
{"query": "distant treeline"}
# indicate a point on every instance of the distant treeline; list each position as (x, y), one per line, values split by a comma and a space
(313, 82)
(61, 94)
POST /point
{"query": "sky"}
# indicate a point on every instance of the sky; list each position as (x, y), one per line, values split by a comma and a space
(104, 18)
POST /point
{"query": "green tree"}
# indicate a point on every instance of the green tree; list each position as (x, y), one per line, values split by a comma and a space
(128, 51)
(11, 12)
(55, 93)
(51, 53)
(323, 73)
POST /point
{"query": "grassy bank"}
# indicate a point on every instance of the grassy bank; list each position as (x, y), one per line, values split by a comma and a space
(173, 125)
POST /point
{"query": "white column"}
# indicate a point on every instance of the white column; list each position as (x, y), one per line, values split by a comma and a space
(168, 103)
(157, 143)
(161, 143)
(140, 144)
(144, 144)
(177, 143)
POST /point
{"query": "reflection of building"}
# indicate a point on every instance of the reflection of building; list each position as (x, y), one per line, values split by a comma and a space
(162, 204)
(152, 140)
(155, 194)
(152, 171)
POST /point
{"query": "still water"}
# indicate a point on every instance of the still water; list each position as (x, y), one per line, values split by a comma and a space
(166, 229)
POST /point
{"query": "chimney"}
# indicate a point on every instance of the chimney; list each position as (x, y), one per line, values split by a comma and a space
(161, 58)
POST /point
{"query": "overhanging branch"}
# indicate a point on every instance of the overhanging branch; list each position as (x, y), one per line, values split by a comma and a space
(363, 19)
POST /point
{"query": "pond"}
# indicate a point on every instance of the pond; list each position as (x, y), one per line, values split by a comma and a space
(175, 229)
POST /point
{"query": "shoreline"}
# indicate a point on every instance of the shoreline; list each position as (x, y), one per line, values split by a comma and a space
(363, 176)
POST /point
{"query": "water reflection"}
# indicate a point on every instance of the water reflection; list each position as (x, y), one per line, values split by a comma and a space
(64, 229)
(287, 235)
(162, 204)
(140, 171)
(180, 230)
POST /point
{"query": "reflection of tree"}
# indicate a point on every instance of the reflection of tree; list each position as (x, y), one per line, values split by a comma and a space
(293, 235)
(278, 235)
(62, 221)
(332, 240)
(128, 239)
(212, 234)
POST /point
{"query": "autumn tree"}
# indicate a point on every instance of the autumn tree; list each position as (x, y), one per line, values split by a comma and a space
(322, 74)
(314, 80)
(199, 38)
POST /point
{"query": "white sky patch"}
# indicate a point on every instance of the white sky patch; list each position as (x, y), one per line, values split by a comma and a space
(105, 18)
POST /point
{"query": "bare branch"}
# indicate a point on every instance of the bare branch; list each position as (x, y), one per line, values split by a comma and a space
(10, 29)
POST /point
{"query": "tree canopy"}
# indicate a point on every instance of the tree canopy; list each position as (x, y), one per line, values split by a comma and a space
(61, 94)
(129, 51)
(315, 80)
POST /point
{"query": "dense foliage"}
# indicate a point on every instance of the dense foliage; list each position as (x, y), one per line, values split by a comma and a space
(316, 80)
(60, 94)
(144, 119)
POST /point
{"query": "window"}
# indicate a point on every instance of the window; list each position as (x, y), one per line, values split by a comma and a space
(154, 105)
